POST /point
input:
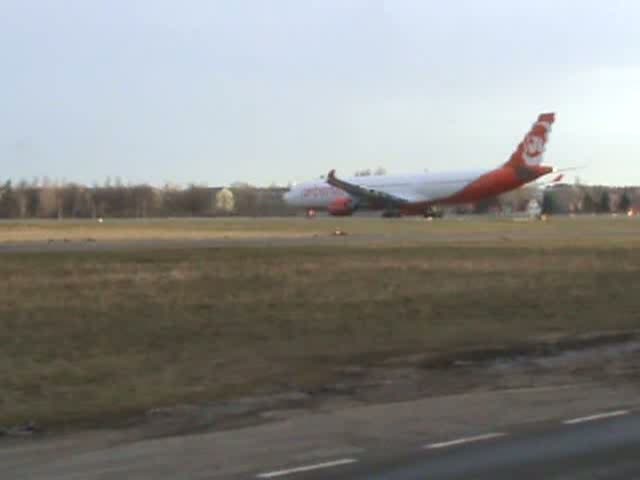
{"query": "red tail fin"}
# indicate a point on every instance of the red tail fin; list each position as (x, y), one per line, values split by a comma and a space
(530, 151)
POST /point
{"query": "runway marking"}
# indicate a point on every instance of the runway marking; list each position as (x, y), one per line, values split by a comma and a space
(307, 468)
(598, 416)
(462, 441)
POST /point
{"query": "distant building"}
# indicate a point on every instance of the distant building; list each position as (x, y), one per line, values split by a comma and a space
(224, 201)
(534, 210)
(247, 200)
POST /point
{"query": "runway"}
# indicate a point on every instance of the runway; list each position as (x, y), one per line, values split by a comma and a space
(599, 446)
(556, 432)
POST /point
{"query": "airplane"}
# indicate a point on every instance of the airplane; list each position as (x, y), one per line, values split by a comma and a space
(424, 193)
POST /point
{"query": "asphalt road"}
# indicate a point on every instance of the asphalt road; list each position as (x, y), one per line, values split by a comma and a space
(546, 433)
(606, 447)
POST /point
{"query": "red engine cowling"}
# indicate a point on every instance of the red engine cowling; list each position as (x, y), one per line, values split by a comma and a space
(341, 207)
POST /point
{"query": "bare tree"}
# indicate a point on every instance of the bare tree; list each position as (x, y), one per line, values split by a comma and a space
(624, 204)
(47, 199)
(245, 199)
(22, 199)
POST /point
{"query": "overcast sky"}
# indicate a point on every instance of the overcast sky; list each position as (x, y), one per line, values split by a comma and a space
(284, 90)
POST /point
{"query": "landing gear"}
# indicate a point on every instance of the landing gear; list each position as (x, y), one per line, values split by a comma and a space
(391, 214)
(433, 212)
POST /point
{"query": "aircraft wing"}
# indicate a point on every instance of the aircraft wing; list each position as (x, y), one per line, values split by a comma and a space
(368, 195)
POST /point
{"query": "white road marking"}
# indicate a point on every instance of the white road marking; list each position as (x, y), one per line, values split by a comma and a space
(599, 416)
(462, 441)
(307, 468)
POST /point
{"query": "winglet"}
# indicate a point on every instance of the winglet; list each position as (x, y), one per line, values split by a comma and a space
(332, 174)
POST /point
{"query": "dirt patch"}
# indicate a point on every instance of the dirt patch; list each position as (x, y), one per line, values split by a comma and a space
(590, 343)
(607, 358)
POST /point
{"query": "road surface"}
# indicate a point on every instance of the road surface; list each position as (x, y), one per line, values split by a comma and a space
(599, 446)
(552, 432)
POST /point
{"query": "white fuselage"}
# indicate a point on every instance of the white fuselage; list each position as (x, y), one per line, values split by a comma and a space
(423, 187)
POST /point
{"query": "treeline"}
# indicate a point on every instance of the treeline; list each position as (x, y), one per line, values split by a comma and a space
(589, 200)
(69, 200)
(561, 199)
(48, 199)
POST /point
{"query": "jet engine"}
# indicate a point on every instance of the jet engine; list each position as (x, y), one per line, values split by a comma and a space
(341, 207)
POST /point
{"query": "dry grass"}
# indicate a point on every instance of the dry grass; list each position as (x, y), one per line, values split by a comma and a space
(178, 229)
(89, 337)
(585, 230)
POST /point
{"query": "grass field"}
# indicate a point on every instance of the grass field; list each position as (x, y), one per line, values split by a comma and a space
(96, 336)
(563, 229)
